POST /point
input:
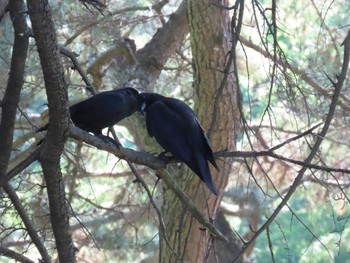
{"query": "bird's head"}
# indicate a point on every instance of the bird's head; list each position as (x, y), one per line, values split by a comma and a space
(131, 92)
(148, 98)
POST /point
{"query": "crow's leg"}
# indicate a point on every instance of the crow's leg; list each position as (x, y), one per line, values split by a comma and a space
(109, 139)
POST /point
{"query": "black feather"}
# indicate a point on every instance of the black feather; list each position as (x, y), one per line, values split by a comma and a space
(103, 110)
(176, 128)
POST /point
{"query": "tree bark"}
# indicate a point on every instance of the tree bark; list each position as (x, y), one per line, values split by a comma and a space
(14, 84)
(52, 147)
(162, 45)
(210, 44)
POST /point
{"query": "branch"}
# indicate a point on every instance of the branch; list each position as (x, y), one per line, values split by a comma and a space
(97, 4)
(270, 153)
(121, 152)
(4, 8)
(159, 213)
(14, 84)
(187, 202)
(254, 154)
(53, 145)
(14, 255)
(338, 85)
(309, 131)
(230, 63)
(27, 222)
(162, 45)
(301, 73)
(152, 162)
(89, 86)
(155, 163)
(32, 157)
(121, 48)
(108, 17)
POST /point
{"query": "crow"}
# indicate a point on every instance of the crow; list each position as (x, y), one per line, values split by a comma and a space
(177, 129)
(104, 110)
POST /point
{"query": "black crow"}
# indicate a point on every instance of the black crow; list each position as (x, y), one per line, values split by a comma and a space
(104, 110)
(176, 128)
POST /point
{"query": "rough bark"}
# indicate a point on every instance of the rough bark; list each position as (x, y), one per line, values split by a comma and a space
(225, 252)
(52, 147)
(210, 44)
(14, 84)
(162, 45)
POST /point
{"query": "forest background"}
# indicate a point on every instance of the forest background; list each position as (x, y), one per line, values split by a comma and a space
(269, 81)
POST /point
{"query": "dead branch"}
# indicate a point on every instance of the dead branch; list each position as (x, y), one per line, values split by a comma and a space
(14, 255)
(27, 222)
(337, 85)
(301, 73)
(32, 157)
(14, 85)
(73, 57)
(187, 202)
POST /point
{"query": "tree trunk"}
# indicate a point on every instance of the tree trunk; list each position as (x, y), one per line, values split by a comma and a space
(210, 44)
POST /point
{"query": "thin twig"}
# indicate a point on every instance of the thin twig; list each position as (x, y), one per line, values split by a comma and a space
(270, 244)
(298, 179)
(159, 213)
(11, 193)
(89, 86)
(301, 73)
(143, 183)
(187, 202)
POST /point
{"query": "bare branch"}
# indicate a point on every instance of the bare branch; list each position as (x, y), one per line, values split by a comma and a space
(337, 85)
(187, 202)
(52, 147)
(14, 84)
(159, 213)
(150, 161)
(27, 222)
(89, 86)
(97, 4)
(32, 157)
(301, 73)
(14, 255)
(121, 152)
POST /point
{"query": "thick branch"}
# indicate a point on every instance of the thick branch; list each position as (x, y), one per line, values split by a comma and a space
(162, 45)
(52, 147)
(32, 157)
(14, 255)
(121, 152)
(120, 49)
(153, 162)
(14, 84)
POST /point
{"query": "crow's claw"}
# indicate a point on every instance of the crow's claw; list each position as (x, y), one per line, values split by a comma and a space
(110, 140)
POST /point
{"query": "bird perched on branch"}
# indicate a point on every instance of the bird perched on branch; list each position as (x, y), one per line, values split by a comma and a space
(103, 110)
(176, 128)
